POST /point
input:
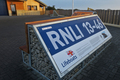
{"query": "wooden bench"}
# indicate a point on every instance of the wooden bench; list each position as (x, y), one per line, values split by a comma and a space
(25, 49)
(35, 56)
(25, 55)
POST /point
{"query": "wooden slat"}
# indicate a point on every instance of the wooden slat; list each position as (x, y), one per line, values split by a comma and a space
(106, 16)
(102, 15)
(114, 16)
(27, 41)
(119, 18)
(117, 13)
(110, 13)
(24, 48)
(99, 13)
(111, 16)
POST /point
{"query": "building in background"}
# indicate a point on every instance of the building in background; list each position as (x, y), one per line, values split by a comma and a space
(3, 8)
(23, 7)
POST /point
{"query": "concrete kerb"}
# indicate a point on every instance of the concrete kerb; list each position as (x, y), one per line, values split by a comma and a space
(114, 25)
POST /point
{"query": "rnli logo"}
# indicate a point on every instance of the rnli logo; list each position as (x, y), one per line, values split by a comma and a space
(70, 53)
(70, 60)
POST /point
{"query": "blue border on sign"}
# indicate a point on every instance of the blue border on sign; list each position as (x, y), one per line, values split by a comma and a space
(62, 26)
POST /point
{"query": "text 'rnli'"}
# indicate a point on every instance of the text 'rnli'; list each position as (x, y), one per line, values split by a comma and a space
(65, 35)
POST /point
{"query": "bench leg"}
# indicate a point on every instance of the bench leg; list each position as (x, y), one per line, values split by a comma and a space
(29, 55)
(23, 57)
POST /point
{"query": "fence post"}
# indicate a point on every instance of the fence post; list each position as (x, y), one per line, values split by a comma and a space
(106, 16)
(109, 17)
(103, 15)
(99, 11)
(116, 22)
(119, 18)
(112, 16)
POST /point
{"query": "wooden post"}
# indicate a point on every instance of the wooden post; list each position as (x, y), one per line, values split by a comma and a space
(110, 14)
(100, 14)
(119, 18)
(114, 16)
(116, 22)
(106, 17)
(103, 15)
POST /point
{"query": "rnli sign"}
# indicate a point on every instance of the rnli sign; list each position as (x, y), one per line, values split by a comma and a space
(69, 42)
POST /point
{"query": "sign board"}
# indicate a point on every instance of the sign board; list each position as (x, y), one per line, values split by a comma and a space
(69, 42)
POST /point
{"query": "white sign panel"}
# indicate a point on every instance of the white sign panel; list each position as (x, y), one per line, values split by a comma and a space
(68, 42)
